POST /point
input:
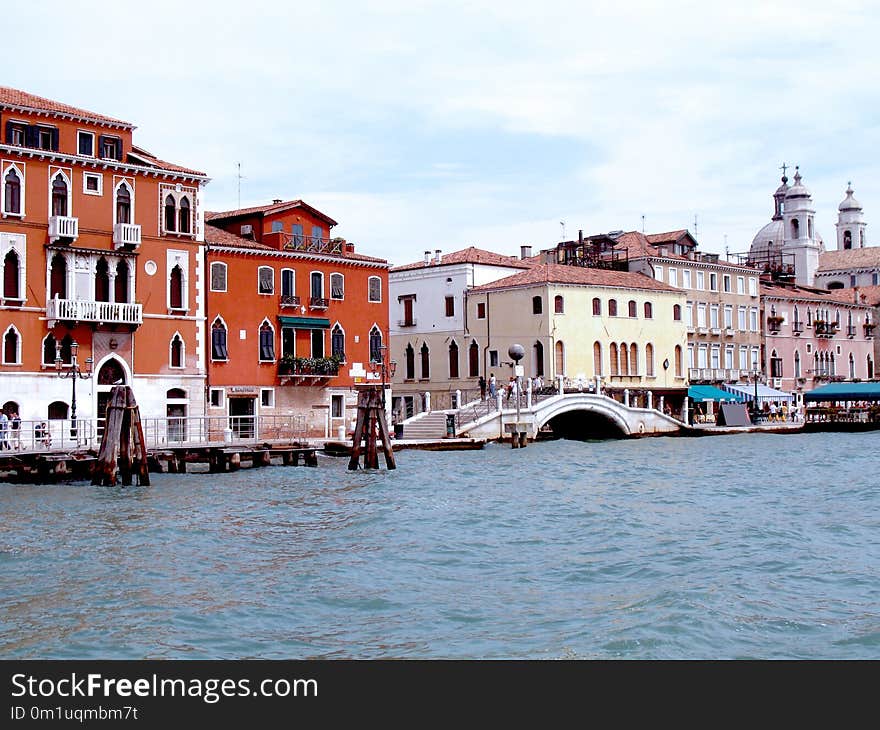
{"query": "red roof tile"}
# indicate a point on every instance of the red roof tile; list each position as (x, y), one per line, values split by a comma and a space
(852, 258)
(639, 245)
(16, 98)
(139, 156)
(838, 296)
(268, 210)
(470, 255)
(562, 274)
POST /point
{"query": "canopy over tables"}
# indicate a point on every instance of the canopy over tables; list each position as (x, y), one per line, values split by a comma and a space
(844, 392)
(702, 393)
(764, 392)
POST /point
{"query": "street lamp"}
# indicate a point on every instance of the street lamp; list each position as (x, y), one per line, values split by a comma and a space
(516, 353)
(75, 373)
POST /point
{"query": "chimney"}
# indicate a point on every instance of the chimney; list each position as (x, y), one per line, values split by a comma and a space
(580, 235)
(525, 252)
(437, 256)
(275, 201)
(427, 257)
(855, 295)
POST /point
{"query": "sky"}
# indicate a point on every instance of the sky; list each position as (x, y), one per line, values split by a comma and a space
(422, 125)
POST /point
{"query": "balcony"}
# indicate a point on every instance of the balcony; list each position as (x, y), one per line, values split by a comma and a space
(126, 235)
(62, 227)
(797, 328)
(308, 370)
(729, 332)
(869, 329)
(774, 323)
(824, 329)
(715, 331)
(289, 300)
(406, 323)
(319, 303)
(83, 310)
(702, 330)
(851, 331)
(715, 375)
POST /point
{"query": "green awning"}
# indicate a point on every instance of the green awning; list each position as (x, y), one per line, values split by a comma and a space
(701, 393)
(305, 323)
(844, 391)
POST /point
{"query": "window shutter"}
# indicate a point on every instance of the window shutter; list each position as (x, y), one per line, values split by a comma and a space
(100, 150)
(9, 127)
(31, 136)
(55, 139)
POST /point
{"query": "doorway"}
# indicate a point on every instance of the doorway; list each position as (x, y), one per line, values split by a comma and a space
(242, 416)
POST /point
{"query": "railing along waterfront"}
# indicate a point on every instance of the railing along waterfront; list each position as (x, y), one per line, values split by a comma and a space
(86, 433)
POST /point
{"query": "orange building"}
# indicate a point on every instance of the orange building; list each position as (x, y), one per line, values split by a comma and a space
(102, 245)
(294, 318)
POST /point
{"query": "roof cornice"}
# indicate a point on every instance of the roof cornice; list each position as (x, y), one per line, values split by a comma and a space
(119, 124)
(102, 164)
(221, 247)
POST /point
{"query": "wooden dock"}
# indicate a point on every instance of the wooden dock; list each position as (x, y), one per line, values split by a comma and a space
(46, 467)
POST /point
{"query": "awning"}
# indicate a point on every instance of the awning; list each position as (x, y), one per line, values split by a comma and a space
(844, 391)
(764, 393)
(701, 393)
(305, 323)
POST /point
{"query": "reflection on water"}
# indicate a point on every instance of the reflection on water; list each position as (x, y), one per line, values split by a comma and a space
(755, 545)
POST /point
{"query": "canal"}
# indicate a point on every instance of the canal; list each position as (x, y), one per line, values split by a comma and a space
(752, 545)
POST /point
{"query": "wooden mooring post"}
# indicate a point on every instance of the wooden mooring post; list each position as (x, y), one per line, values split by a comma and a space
(370, 419)
(122, 443)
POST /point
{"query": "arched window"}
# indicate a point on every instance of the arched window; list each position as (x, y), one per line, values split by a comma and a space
(374, 289)
(120, 285)
(612, 307)
(218, 276)
(102, 281)
(649, 310)
(11, 347)
(797, 364)
(633, 359)
(560, 358)
(317, 285)
(49, 344)
(809, 227)
(847, 239)
(409, 358)
(852, 366)
(175, 294)
(870, 366)
(649, 360)
(623, 354)
(678, 372)
(809, 317)
(175, 394)
(265, 280)
(597, 306)
(795, 228)
(123, 204)
(66, 349)
(337, 286)
(558, 304)
(267, 342)
(453, 360)
(58, 277)
(537, 305)
(183, 216)
(676, 312)
(615, 362)
(424, 356)
(170, 214)
(375, 345)
(59, 195)
(337, 342)
(218, 341)
(632, 308)
(12, 193)
(473, 359)
(861, 238)
(538, 348)
(597, 358)
(177, 351)
(58, 411)
(10, 275)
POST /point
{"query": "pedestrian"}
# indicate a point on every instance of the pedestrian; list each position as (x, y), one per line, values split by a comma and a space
(42, 435)
(773, 411)
(16, 431)
(493, 385)
(511, 390)
(783, 409)
(482, 388)
(4, 431)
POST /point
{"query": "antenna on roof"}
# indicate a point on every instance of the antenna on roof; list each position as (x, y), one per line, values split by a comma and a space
(562, 223)
(696, 227)
(240, 178)
(726, 249)
(643, 223)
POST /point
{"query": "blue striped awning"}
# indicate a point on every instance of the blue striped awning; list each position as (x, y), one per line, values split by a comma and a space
(305, 323)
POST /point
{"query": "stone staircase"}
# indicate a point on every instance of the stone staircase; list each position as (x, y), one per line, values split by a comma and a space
(427, 427)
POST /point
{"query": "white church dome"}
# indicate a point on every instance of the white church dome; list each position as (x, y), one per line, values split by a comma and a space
(849, 203)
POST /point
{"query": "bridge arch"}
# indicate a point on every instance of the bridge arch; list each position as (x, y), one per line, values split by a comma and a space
(590, 415)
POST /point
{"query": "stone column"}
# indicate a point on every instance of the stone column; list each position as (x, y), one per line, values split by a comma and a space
(428, 402)
(626, 397)
(650, 400)
(458, 403)
(660, 408)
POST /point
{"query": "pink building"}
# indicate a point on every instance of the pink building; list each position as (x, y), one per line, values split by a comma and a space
(813, 336)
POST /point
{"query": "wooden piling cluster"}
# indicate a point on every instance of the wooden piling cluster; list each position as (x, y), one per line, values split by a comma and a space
(122, 443)
(370, 424)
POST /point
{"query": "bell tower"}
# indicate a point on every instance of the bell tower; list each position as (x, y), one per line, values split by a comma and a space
(850, 226)
(799, 231)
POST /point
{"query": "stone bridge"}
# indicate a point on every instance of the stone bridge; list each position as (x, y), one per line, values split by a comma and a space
(584, 415)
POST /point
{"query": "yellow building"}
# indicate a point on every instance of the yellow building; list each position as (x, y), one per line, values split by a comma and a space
(580, 323)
